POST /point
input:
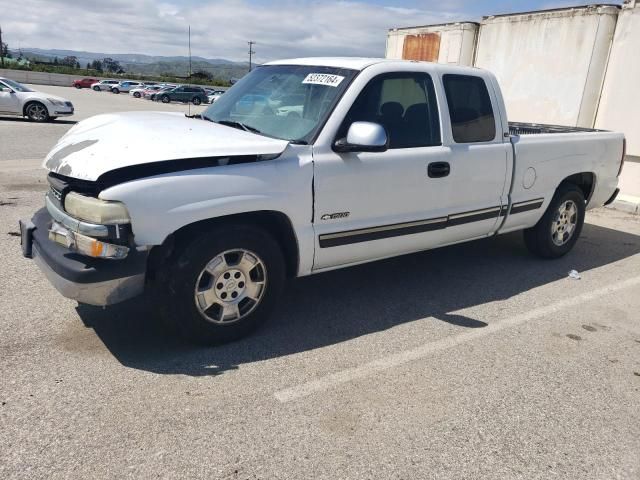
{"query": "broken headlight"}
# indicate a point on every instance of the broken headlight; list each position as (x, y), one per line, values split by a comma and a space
(95, 210)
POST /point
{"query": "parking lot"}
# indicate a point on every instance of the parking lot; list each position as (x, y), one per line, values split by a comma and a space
(472, 361)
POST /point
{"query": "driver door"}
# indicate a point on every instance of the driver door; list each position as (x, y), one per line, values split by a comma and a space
(372, 205)
(9, 102)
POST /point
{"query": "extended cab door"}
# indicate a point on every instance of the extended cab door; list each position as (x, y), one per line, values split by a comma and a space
(426, 190)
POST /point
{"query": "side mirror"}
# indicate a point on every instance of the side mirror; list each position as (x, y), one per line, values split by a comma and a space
(363, 137)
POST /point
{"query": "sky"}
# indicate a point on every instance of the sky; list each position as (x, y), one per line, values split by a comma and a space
(221, 28)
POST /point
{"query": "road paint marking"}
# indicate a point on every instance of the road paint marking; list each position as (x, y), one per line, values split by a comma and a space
(401, 358)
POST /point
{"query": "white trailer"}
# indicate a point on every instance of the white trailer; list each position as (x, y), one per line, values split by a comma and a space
(551, 64)
(620, 101)
(450, 43)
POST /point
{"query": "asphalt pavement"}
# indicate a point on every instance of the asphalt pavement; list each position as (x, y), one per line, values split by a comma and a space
(472, 361)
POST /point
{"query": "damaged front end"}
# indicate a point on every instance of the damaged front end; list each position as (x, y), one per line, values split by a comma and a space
(84, 245)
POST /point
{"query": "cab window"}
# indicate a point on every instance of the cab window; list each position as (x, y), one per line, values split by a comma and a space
(472, 118)
(404, 104)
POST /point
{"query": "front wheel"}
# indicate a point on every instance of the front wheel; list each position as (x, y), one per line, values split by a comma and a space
(224, 284)
(559, 228)
(37, 112)
(136, 94)
(77, 86)
(115, 90)
(196, 101)
(97, 89)
(165, 99)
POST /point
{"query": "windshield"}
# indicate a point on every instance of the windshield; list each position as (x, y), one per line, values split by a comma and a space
(18, 87)
(290, 102)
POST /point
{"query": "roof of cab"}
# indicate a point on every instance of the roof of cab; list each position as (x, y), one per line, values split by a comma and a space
(358, 63)
(354, 63)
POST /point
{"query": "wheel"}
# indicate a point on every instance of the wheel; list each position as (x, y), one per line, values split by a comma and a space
(77, 86)
(559, 228)
(165, 99)
(224, 284)
(96, 88)
(196, 100)
(37, 112)
(115, 90)
(136, 94)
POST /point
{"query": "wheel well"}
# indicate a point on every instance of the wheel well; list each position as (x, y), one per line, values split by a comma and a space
(276, 223)
(26, 105)
(585, 181)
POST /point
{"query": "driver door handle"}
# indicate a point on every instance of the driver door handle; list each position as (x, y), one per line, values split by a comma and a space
(438, 169)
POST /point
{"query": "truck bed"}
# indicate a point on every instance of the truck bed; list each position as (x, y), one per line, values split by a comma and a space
(520, 128)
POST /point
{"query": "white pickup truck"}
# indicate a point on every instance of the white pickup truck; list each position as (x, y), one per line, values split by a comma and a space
(304, 166)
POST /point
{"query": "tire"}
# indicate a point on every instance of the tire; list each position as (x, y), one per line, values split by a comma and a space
(136, 94)
(97, 89)
(36, 112)
(115, 90)
(165, 99)
(193, 303)
(77, 86)
(196, 101)
(558, 230)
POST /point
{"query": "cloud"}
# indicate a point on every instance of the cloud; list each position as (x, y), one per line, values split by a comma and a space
(220, 29)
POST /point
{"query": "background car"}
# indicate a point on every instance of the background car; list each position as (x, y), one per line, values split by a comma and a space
(183, 93)
(139, 91)
(153, 95)
(124, 86)
(213, 95)
(104, 85)
(17, 99)
(84, 82)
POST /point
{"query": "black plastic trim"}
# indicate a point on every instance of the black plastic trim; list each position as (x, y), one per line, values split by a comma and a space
(79, 268)
(395, 230)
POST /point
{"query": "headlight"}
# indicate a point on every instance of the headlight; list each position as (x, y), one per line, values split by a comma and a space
(56, 102)
(95, 210)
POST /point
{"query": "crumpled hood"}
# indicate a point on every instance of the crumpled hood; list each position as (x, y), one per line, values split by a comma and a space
(111, 141)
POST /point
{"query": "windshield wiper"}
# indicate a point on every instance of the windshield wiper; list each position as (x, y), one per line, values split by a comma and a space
(246, 128)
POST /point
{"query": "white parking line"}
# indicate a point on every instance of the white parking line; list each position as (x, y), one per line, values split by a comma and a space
(386, 363)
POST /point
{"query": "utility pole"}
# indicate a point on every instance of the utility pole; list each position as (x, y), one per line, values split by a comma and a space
(1, 49)
(251, 51)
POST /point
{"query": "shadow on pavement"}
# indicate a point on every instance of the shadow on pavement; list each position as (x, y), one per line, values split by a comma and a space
(336, 306)
(26, 120)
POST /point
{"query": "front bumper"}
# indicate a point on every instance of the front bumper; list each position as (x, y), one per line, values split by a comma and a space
(94, 281)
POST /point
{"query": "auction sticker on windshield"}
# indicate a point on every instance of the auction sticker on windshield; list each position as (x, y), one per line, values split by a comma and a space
(323, 79)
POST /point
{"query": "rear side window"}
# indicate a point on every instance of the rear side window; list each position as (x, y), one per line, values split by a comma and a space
(472, 118)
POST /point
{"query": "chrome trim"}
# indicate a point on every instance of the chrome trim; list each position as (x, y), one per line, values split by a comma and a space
(528, 202)
(475, 212)
(396, 226)
(89, 229)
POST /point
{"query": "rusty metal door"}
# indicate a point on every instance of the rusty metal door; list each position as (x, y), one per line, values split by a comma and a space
(424, 46)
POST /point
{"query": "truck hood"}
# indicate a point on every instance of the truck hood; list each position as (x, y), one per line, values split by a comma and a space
(111, 141)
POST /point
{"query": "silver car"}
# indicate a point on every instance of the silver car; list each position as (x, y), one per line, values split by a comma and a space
(104, 85)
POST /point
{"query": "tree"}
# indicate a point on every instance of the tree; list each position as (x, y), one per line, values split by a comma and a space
(88, 66)
(96, 65)
(69, 61)
(201, 75)
(55, 60)
(78, 65)
(111, 65)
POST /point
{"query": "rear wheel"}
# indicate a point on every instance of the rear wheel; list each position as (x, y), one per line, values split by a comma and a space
(77, 86)
(559, 228)
(36, 112)
(115, 90)
(224, 284)
(136, 94)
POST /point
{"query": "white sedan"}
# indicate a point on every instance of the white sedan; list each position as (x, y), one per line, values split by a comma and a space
(16, 99)
(104, 85)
